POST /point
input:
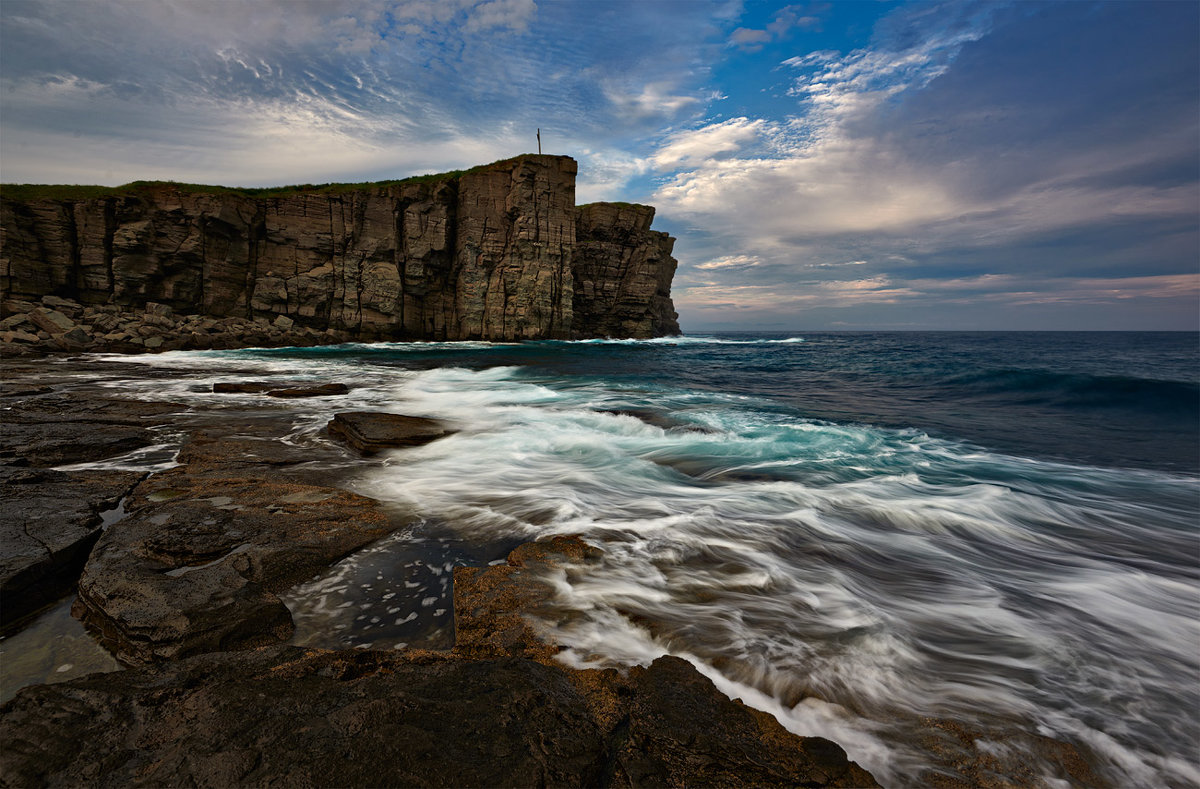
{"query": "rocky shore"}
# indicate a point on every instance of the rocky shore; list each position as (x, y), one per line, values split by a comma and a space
(178, 573)
(57, 325)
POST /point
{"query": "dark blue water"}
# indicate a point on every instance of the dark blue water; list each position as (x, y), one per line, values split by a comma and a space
(1108, 398)
(855, 532)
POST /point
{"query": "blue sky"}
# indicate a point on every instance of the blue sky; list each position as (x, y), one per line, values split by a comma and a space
(852, 165)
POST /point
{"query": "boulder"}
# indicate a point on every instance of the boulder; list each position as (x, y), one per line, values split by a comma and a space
(51, 321)
(370, 431)
(276, 390)
(195, 566)
(49, 521)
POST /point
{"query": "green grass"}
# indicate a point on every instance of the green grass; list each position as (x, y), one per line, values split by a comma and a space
(26, 192)
(617, 203)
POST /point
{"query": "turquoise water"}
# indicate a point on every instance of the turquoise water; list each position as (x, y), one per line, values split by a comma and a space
(851, 531)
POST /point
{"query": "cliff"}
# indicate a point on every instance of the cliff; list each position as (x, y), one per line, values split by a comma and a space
(496, 253)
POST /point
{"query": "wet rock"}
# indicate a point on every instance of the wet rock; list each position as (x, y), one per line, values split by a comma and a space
(320, 390)
(369, 431)
(248, 387)
(681, 731)
(275, 390)
(288, 716)
(967, 756)
(57, 429)
(668, 724)
(49, 521)
(496, 607)
(58, 443)
(196, 565)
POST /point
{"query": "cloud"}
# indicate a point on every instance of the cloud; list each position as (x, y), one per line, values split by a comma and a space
(728, 262)
(649, 100)
(934, 156)
(786, 19)
(511, 14)
(749, 37)
(275, 90)
(694, 146)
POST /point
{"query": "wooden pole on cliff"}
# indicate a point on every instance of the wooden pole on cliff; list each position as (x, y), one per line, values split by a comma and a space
(539, 142)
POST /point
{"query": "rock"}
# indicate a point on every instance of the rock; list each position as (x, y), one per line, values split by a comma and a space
(495, 607)
(487, 254)
(248, 387)
(288, 716)
(11, 307)
(78, 336)
(369, 431)
(58, 429)
(57, 443)
(51, 321)
(318, 390)
(622, 274)
(365, 718)
(18, 336)
(275, 390)
(153, 342)
(196, 564)
(14, 322)
(56, 303)
(49, 521)
(680, 730)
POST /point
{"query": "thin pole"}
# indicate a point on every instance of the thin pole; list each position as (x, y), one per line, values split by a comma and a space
(539, 135)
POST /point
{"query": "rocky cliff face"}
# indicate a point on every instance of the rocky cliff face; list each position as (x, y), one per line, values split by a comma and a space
(488, 254)
(623, 272)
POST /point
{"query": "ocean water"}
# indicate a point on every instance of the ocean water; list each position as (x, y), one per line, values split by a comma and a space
(861, 533)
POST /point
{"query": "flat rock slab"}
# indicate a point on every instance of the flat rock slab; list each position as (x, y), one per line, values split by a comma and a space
(60, 443)
(196, 565)
(370, 431)
(57, 429)
(275, 390)
(49, 521)
(72, 407)
(284, 716)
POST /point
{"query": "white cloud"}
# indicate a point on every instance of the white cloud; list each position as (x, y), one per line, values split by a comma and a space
(692, 147)
(730, 262)
(603, 174)
(510, 14)
(652, 100)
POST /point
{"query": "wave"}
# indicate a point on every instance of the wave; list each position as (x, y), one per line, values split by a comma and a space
(1079, 390)
(686, 339)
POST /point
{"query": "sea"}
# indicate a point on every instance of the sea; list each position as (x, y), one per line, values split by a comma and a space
(878, 538)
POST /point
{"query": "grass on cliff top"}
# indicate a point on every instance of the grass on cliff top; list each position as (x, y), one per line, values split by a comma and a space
(25, 192)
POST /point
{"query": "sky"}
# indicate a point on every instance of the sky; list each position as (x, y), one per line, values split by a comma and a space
(824, 165)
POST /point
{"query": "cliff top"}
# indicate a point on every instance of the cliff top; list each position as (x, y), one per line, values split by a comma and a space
(25, 192)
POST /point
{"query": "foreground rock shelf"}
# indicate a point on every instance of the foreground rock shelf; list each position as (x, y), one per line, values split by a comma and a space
(495, 711)
(291, 717)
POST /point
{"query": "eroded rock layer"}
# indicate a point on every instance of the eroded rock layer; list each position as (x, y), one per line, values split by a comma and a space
(491, 253)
